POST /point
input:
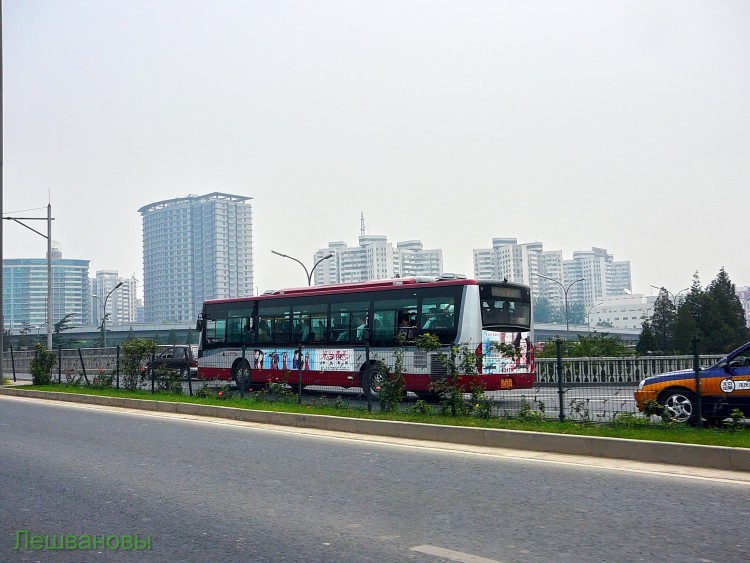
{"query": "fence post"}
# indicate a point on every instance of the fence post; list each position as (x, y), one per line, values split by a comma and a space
(117, 367)
(299, 375)
(453, 381)
(59, 366)
(13, 364)
(368, 378)
(697, 371)
(83, 366)
(240, 378)
(560, 392)
(189, 376)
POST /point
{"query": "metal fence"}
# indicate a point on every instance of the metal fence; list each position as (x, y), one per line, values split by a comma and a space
(592, 389)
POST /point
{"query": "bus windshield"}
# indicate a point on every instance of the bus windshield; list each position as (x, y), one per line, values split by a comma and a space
(505, 307)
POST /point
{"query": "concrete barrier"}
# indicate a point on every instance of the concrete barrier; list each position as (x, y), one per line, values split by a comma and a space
(713, 457)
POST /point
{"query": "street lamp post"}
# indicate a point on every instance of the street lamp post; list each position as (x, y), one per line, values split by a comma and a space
(565, 293)
(588, 314)
(99, 299)
(674, 295)
(308, 273)
(104, 315)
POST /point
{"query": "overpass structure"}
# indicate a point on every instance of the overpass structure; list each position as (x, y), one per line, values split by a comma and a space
(117, 333)
(550, 331)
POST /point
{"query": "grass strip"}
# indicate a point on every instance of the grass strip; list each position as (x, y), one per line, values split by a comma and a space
(632, 429)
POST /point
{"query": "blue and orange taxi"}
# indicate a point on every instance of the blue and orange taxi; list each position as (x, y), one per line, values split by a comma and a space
(724, 387)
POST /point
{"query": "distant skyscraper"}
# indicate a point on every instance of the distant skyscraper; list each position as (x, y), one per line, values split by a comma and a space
(509, 260)
(603, 277)
(375, 258)
(121, 304)
(195, 248)
(25, 291)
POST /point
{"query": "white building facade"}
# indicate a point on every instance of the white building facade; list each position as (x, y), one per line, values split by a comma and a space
(625, 311)
(195, 248)
(375, 258)
(121, 303)
(528, 262)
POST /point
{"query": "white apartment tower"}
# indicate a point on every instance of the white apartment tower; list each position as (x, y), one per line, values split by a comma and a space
(121, 302)
(602, 276)
(195, 248)
(410, 259)
(375, 258)
(509, 260)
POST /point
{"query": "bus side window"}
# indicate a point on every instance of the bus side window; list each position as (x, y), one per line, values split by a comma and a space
(264, 331)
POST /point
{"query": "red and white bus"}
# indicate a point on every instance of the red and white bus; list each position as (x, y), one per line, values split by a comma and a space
(323, 334)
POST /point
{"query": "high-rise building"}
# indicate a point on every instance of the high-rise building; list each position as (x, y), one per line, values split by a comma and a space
(195, 248)
(412, 260)
(375, 258)
(602, 276)
(509, 260)
(121, 304)
(25, 291)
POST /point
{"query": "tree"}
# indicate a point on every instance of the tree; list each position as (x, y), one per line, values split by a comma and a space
(58, 340)
(576, 313)
(647, 340)
(102, 328)
(172, 336)
(24, 340)
(191, 337)
(544, 310)
(689, 319)
(593, 346)
(134, 352)
(662, 322)
(724, 323)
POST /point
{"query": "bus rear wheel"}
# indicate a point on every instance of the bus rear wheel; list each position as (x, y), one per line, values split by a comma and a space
(241, 375)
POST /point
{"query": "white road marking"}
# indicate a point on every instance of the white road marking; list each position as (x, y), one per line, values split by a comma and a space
(451, 555)
(657, 469)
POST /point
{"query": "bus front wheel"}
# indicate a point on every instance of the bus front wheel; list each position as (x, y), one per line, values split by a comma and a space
(241, 375)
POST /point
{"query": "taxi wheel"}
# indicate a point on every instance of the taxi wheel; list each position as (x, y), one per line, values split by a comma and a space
(681, 405)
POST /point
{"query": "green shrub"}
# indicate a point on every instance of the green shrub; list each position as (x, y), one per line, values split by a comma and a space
(102, 380)
(41, 366)
(134, 352)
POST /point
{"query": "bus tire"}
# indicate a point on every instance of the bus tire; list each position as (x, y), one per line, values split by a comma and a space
(242, 375)
(378, 373)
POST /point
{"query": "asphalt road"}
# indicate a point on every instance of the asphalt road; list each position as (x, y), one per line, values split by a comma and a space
(223, 491)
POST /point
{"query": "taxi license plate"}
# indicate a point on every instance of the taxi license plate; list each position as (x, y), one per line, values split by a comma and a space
(506, 383)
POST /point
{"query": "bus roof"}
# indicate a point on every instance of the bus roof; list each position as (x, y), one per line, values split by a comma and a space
(376, 285)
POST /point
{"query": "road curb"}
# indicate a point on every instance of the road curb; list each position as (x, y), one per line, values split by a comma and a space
(712, 457)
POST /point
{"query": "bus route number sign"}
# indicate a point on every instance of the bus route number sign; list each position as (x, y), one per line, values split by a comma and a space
(506, 383)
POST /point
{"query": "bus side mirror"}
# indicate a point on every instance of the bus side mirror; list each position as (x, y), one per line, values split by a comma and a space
(199, 324)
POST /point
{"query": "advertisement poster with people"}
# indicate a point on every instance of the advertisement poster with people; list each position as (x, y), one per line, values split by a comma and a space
(495, 361)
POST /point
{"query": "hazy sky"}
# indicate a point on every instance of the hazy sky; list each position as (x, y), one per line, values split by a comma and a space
(623, 125)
